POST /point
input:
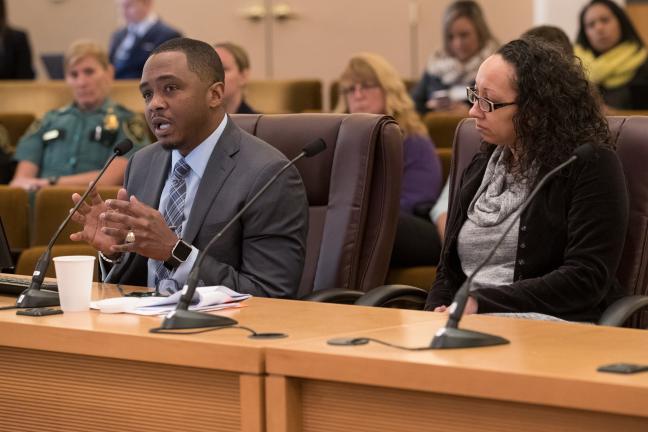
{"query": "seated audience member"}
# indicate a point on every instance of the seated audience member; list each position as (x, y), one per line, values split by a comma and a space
(439, 212)
(561, 257)
(71, 144)
(182, 190)
(369, 84)
(467, 41)
(130, 46)
(15, 50)
(551, 34)
(613, 55)
(237, 72)
(7, 164)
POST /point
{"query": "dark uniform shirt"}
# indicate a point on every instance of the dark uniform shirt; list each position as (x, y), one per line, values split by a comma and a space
(70, 141)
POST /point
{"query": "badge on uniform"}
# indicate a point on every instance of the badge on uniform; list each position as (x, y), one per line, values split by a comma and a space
(53, 134)
(107, 133)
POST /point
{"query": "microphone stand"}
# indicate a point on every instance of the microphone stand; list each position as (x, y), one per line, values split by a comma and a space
(34, 296)
(182, 317)
(451, 336)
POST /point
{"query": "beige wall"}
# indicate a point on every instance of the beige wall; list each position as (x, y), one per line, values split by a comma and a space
(314, 44)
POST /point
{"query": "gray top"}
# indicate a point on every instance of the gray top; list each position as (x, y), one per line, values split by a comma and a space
(497, 200)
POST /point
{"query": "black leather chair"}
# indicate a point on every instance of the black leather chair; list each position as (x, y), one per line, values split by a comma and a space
(353, 191)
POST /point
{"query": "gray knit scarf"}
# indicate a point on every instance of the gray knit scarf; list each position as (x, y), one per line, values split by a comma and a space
(499, 194)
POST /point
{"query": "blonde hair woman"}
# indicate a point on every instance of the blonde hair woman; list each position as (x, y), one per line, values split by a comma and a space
(369, 84)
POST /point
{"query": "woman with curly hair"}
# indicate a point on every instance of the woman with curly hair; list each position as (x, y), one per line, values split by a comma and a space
(533, 106)
(613, 55)
(369, 84)
(467, 41)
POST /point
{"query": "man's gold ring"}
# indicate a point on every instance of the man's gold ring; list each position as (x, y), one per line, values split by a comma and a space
(130, 237)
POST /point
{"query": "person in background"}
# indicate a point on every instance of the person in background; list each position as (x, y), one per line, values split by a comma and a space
(369, 84)
(439, 211)
(15, 50)
(130, 46)
(71, 144)
(613, 55)
(467, 41)
(561, 257)
(551, 34)
(237, 73)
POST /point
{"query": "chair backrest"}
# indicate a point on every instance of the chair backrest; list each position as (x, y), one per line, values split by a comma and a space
(35, 97)
(52, 207)
(441, 126)
(284, 96)
(629, 135)
(14, 210)
(353, 191)
(15, 124)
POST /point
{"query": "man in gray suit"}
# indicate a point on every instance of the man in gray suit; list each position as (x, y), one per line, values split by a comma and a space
(180, 191)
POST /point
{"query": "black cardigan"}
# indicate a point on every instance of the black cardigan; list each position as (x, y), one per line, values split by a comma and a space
(570, 242)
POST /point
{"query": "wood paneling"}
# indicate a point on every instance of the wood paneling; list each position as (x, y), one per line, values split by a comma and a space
(330, 406)
(42, 391)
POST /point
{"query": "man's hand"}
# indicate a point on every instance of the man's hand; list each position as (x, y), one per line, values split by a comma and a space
(94, 223)
(153, 238)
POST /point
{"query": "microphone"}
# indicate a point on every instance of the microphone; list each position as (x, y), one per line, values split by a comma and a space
(451, 336)
(181, 317)
(33, 296)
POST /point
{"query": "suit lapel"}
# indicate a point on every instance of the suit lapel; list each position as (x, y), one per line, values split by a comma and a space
(160, 164)
(221, 163)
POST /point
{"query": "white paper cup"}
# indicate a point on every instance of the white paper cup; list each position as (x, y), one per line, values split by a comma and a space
(74, 279)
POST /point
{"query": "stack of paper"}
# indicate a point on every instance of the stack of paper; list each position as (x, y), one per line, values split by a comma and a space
(205, 299)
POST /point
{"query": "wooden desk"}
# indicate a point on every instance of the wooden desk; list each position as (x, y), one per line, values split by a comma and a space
(89, 371)
(545, 380)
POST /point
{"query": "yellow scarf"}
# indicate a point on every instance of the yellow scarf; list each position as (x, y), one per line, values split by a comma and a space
(614, 68)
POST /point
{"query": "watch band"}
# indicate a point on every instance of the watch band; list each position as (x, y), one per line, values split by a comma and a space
(179, 254)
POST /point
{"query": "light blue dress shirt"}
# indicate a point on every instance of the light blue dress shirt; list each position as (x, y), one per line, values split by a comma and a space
(197, 159)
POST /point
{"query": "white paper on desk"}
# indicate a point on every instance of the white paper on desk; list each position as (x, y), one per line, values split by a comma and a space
(204, 299)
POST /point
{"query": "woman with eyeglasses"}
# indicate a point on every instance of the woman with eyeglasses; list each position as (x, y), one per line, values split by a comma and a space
(467, 41)
(369, 84)
(533, 106)
(613, 55)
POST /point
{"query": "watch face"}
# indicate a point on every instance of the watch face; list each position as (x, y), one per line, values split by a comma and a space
(181, 251)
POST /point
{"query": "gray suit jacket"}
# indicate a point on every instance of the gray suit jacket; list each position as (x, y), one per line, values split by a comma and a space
(263, 253)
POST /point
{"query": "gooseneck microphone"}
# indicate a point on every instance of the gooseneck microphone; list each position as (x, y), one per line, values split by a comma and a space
(34, 296)
(451, 336)
(181, 317)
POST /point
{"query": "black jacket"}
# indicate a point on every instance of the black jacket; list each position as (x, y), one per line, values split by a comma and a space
(569, 243)
(132, 68)
(15, 55)
(630, 96)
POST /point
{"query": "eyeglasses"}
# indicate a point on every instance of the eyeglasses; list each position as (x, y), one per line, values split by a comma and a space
(484, 104)
(361, 87)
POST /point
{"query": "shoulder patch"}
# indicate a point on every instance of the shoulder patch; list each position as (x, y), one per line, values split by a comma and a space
(135, 128)
(34, 127)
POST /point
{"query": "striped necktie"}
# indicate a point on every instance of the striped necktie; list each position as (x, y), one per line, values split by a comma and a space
(174, 209)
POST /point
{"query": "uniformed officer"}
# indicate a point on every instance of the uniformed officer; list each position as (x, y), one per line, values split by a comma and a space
(71, 144)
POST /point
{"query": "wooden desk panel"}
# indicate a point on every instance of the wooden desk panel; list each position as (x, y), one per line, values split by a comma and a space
(93, 371)
(545, 379)
(42, 390)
